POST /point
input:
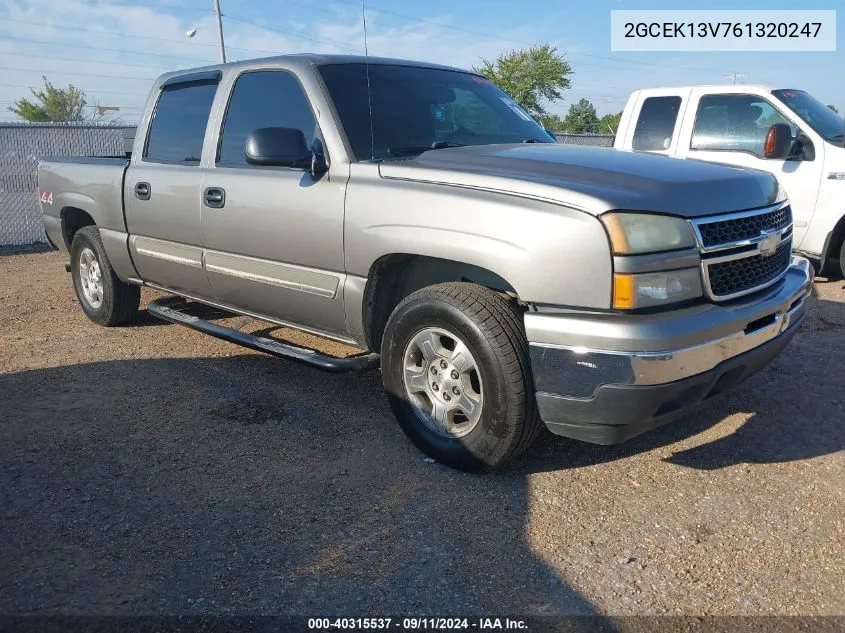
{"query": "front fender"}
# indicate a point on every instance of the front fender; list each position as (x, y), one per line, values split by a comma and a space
(548, 253)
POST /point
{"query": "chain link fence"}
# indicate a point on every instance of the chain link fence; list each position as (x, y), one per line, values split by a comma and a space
(22, 145)
(595, 140)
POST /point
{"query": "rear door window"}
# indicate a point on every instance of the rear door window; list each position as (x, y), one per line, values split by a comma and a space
(656, 124)
(179, 121)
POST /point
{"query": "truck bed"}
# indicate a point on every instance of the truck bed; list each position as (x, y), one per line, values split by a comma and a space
(91, 183)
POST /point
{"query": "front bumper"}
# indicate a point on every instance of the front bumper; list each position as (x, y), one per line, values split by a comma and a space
(648, 370)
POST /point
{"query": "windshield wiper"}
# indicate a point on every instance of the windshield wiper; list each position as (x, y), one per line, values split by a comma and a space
(407, 151)
(534, 140)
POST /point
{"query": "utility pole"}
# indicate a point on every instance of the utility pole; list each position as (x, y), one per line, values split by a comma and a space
(220, 30)
(735, 76)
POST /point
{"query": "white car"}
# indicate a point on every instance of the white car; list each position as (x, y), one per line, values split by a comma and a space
(785, 132)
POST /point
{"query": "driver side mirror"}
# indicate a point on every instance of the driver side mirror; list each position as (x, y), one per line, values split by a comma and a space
(778, 142)
(285, 147)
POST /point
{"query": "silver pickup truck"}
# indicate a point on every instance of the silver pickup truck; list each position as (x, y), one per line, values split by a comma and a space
(502, 281)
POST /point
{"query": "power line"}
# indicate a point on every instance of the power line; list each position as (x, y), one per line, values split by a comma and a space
(341, 44)
(85, 90)
(177, 7)
(142, 37)
(111, 50)
(337, 43)
(100, 32)
(90, 61)
(125, 35)
(136, 108)
(513, 41)
(55, 72)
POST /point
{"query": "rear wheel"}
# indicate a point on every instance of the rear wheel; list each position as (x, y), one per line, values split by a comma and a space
(104, 298)
(456, 369)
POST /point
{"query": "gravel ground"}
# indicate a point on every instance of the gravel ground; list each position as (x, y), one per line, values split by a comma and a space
(150, 469)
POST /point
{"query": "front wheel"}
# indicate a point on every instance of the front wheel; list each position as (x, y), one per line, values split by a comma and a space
(456, 370)
(104, 298)
(842, 259)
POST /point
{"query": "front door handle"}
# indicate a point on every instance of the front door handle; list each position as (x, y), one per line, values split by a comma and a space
(143, 190)
(214, 197)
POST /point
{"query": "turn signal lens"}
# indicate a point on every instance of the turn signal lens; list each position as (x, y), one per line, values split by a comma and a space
(623, 292)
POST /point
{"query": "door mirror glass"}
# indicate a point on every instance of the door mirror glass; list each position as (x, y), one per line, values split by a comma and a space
(319, 164)
(803, 148)
(278, 147)
(778, 142)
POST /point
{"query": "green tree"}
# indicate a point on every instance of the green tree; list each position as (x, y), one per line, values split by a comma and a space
(533, 76)
(52, 104)
(609, 123)
(581, 118)
(551, 122)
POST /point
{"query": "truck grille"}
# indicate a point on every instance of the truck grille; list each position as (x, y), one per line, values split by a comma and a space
(744, 227)
(744, 252)
(737, 276)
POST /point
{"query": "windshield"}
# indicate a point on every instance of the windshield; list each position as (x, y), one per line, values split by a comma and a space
(817, 115)
(416, 109)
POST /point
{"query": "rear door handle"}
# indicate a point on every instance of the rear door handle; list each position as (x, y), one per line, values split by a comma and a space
(214, 197)
(143, 190)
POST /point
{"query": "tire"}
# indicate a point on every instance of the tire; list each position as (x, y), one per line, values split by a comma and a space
(109, 302)
(497, 377)
(842, 259)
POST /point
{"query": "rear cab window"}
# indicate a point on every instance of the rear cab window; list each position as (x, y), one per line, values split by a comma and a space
(179, 122)
(656, 124)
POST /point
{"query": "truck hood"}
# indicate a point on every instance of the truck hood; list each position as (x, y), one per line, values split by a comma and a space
(593, 179)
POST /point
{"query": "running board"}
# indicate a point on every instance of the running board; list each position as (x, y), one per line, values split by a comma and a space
(167, 309)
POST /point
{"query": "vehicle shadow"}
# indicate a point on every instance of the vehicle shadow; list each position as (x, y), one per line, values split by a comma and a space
(26, 249)
(247, 485)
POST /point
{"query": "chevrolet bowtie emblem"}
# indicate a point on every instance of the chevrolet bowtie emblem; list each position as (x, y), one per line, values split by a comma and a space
(768, 246)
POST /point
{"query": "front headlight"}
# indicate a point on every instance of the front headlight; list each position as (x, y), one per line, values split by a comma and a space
(646, 290)
(638, 233)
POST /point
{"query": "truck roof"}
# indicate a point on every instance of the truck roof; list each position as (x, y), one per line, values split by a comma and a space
(302, 60)
(719, 87)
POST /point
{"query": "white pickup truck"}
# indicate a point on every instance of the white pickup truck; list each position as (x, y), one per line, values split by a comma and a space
(787, 133)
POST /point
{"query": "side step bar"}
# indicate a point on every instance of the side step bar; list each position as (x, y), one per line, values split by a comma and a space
(167, 309)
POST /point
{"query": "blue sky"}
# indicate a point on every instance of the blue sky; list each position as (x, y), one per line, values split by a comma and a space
(113, 48)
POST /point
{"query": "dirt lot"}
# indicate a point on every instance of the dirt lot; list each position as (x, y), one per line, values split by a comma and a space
(149, 469)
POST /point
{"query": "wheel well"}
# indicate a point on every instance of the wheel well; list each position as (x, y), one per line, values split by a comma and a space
(394, 277)
(74, 219)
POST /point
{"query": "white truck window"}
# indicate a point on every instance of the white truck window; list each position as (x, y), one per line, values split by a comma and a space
(734, 123)
(656, 124)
